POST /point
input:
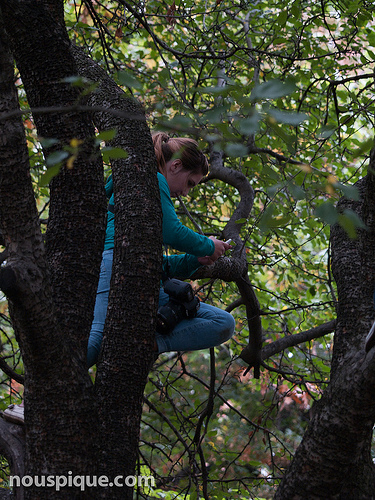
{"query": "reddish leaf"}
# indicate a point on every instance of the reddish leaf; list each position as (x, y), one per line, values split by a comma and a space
(170, 14)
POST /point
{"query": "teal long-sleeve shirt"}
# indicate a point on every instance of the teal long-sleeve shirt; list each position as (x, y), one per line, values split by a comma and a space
(175, 235)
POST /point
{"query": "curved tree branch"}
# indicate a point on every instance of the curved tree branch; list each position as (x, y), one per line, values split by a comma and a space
(235, 268)
(252, 352)
(240, 182)
(12, 446)
(293, 340)
(10, 372)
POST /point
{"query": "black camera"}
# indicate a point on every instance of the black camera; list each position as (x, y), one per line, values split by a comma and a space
(182, 304)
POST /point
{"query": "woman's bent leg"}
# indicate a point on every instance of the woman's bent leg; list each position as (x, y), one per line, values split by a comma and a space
(100, 311)
(211, 327)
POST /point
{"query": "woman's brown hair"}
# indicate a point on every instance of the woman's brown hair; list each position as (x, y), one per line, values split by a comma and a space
(185, 149)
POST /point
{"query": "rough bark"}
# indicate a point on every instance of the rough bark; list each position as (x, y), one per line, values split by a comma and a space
(236, 268)
(128, 346)
(298, 338)
(334, 459)
(41, 49)
(51, 293)
(12, 446)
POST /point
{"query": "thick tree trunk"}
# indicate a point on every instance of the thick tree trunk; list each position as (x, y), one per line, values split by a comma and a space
(128, 345)
(334, 459)
(41, 49)
(51, 295)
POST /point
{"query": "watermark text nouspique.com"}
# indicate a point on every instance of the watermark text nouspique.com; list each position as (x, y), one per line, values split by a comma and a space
(81, 482)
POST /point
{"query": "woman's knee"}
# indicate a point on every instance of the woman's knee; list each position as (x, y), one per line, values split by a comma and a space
(221, 321)
(228, 326)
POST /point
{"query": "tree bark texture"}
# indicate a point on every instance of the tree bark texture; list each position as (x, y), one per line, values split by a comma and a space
(54, 376)
(236, 267)
(51, 293)
(41, 49)
(12, 446)
(334, 459)
(128, 346)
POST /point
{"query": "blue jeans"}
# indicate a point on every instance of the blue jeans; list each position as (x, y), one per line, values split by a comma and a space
(211, 326)
(100, 311)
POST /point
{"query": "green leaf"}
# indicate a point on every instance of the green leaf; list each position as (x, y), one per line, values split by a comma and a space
(287, 117)
(128, 80)
(297, 191)
(283, 16)
(180, 122)
(279, 221)
(235, 150)
(269, 221)
(56, 158)
(268, 171)
(284, 136)
(272, 89)
(365, 147)
(327, 212)
(218, 90)
(107, 135)
(254, 463)
(295, 10)
(216, 114)
(76, 81)
(249, 125)
(350, 192)
(49, 175)
(326, 131)
(48, 142)
(350, 221)
(113, 153)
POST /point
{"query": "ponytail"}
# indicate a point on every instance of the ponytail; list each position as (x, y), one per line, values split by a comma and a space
(160, 139)
(168, 148)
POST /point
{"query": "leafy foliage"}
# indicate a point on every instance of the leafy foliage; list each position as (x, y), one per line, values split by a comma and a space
(284, 89)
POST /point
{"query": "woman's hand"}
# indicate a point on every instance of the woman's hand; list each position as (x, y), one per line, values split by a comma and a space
(220, 248)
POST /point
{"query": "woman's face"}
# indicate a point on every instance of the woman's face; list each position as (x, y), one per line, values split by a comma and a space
(180, 181)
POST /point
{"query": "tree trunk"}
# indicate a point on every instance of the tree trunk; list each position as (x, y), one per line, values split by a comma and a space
(334, 459)
(128, 345)
(51, 295)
